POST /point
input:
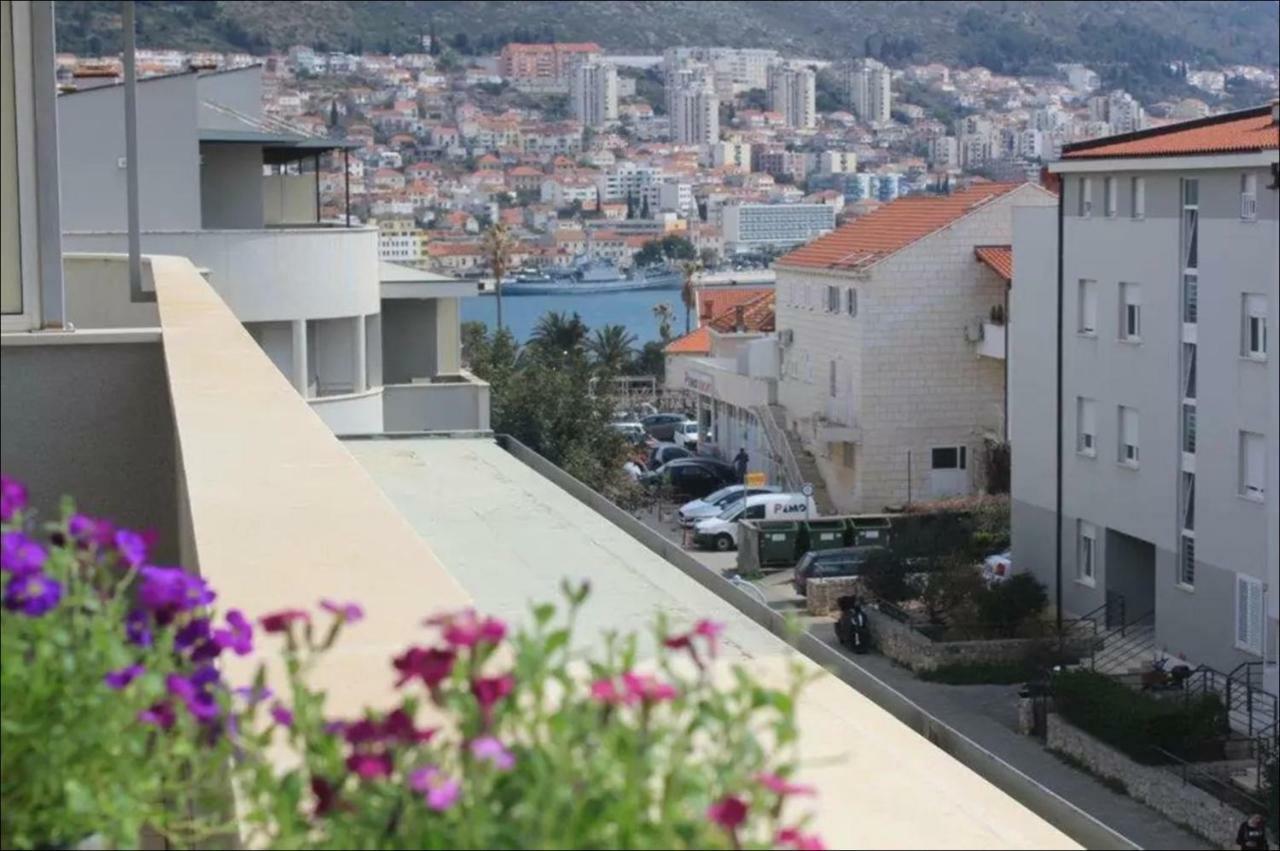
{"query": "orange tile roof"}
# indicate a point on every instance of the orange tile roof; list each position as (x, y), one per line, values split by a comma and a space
(999, 258)
(758, 314)
(696, 342)
(711, 301)
(891, 228)
(1235, 132)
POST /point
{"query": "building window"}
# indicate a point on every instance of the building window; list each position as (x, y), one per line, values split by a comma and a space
(1086, 426)
(1189, 371)
(1189, 428)
(851, 305)
(1131, 312)
(1187, 562)
(1253, 462)
(948, 458)
(1249, 197)
(1109, 196)
(1087, 551)
(1086, 198)
(1190, 225)
(833, 299)
(1253, 342)
(1190, 296)
(847, 454)
(831, 381)
(1189, 502)
(1249, 613)
(1137, 197)
(1087, 307)
(1128, 454)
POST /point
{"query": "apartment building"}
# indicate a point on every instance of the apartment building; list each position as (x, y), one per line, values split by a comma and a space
(732, 154)
(695, 115)
(791, 92)
(593, 94)
(883, 375)
(837, 162)
(544, 67)
(731, 70)
(400, 241)
(1148, 450)
(868, 83)
(749, 226)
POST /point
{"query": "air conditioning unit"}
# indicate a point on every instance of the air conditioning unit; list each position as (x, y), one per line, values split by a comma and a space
(1248, 207)
(786, 336)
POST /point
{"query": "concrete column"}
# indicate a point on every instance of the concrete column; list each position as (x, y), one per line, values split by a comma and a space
(300, 356)
(448, 337)
(361, 382)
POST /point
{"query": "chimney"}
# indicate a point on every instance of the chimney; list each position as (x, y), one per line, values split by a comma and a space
(706, 310)
(1275, 111)
(739, 318)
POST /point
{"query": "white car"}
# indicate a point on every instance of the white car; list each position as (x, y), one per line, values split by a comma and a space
(721, 532)
(685, 434)
(714, 503)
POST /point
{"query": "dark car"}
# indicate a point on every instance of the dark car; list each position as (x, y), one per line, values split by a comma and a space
(664, 452)
(662, 426)
(694, 478)
(824, 564)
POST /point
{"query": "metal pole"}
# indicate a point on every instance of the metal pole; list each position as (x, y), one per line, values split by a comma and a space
(317, 168)
(131, 152)
(1057, 516)
(346, 183)
(908, 477)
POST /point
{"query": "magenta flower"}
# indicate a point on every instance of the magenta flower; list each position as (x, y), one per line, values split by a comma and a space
(346, 612)
(439, 791)
(678, 642)
(398, 726)
(647, 688)
(370, 766)
(136, 628)
(33, 594)
(729, 812)
(239, 635)
(361, 731)
(132, 547)
(782, 787)
(791, 837)
(606, 691)
(88, 530)
(13, 498)
(433, 666)
(281, 714)
(20, 554)
(467, 629)
(326, 796)
(710, 630)
(489, 749)
(121, 677)
(159, 714)
(489, 690)
(282, 620)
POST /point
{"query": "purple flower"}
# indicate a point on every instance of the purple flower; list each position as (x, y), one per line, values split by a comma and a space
(239, 637)
(206, 676)
(281, 715)
(370, 766)
(132, 546)
(200, 703)
(88, 530)
(440, 791)
(159, 714)
(347, 612)
(165, 591)
(20, 554)
(33, 594)
(255, 694)
(490, 749)
(13, 498)
(431, 665)
(120, 678)
(197, 629)
(136, 628)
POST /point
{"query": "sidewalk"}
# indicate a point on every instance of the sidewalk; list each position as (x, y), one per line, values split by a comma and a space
(986, 714)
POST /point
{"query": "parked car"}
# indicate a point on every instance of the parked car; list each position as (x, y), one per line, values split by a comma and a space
(686, 434)
(632, 431)
(713, 504)
(721, 532)
(693, 478)
(824, 564)
(663, 426)
(664, 452)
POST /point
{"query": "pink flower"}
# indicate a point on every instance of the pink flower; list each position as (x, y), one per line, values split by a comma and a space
(282, 620)
(433, 666)
(729, 812)
(398, 726)
(793, 838)
(606, 691)
(467, 629)
(489, 690)
(710, 630)
(491, 750)
(780, 786)
(370, 766)
(647, 688)
(678, 642)
(439, 791)
(346, 612)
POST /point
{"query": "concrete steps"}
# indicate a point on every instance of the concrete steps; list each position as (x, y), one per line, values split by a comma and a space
(801, 460)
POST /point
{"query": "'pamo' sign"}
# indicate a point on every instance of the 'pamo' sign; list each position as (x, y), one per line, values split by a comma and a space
(697, 380)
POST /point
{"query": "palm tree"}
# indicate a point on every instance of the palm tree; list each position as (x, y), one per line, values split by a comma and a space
(612, 346)
(559, 332)
(688, 295)
(664, 314)
(497, 246)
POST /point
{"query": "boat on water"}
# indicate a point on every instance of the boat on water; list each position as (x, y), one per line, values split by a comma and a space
(591, 276)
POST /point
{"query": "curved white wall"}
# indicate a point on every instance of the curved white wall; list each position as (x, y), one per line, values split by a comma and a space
(269, 275)
(352, 413)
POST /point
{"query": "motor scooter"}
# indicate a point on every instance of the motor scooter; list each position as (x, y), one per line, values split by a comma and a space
(851, 627)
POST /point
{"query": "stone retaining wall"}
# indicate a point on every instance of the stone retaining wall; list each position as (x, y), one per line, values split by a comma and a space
(1157, 787)
(911, 649)
(821, 594)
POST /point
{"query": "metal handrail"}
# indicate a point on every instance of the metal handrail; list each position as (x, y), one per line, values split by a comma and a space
(1130, 646)
(779, 446)
(1223, 790)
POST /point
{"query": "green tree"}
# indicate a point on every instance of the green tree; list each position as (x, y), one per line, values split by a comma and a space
(497, 246)
(611, 348)
(664, 314)
(559, 335)
(689, 270)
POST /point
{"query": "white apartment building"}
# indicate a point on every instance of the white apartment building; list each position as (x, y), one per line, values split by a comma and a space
(627, 180)
(791, 93)
(682, 76)
(670, 194)
(400, 241)
(1148, 450)
(944, 152)
(695, 117)
(747, 226)
(868, 82)
(837, 162)
(735, 70)
(732, 153)
(593, 94)
(885, 378)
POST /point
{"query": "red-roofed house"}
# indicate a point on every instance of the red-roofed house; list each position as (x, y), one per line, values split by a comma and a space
(880, 323)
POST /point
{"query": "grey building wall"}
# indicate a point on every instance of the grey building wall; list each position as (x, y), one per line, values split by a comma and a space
(113, 450)
(239, 89)
(408, 339)
(276, 339)
(91, 146)
(231, 186)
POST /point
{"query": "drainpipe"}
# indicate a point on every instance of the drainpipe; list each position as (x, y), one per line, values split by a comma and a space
(1057, 515)
(1008, 287)
(317, 170)
(346, 183)
(131, 155)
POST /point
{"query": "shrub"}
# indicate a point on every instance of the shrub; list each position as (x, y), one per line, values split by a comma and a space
(948, 595)
(884, 576)
(1006, 606)
(1136, 723)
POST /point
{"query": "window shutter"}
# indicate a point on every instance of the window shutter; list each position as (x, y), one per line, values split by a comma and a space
(1248, 613)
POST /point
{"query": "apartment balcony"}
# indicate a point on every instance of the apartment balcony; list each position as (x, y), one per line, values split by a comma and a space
(444, 403)
(839, 423)
(993, 342)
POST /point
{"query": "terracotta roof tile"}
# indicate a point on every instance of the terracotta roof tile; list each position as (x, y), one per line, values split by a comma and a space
(891, 228)
(758, 314)
(1244, 131)
(999, 258)
(712, 301)
(696, 342)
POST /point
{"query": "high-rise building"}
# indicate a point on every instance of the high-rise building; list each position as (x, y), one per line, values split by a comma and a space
(544, 66)
(792, 95)
(681, 77)
(868, 84)
(695, 116)
(593, 93)
(730, 70)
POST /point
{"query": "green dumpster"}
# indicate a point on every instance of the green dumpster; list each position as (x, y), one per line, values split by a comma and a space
(869, 531)
(826, 534)
(778, 542)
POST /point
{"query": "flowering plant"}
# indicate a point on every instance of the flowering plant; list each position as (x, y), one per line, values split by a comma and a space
(498, 738)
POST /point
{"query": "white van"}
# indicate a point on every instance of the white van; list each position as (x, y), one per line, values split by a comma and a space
(721, 532)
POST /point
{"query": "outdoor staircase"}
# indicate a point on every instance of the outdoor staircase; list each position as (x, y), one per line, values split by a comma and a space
(797, 463)
(1126, 649)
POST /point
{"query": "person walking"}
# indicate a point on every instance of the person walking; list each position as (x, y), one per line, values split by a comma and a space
(740, 464)
(1252, 835)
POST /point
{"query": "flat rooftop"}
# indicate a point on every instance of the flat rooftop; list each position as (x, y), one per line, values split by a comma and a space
(509, 536)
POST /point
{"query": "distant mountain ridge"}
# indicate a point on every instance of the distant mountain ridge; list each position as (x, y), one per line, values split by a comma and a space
(1006, 36)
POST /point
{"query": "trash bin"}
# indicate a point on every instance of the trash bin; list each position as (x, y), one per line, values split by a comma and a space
(778, 542)
(825, 534)
(869, 531)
